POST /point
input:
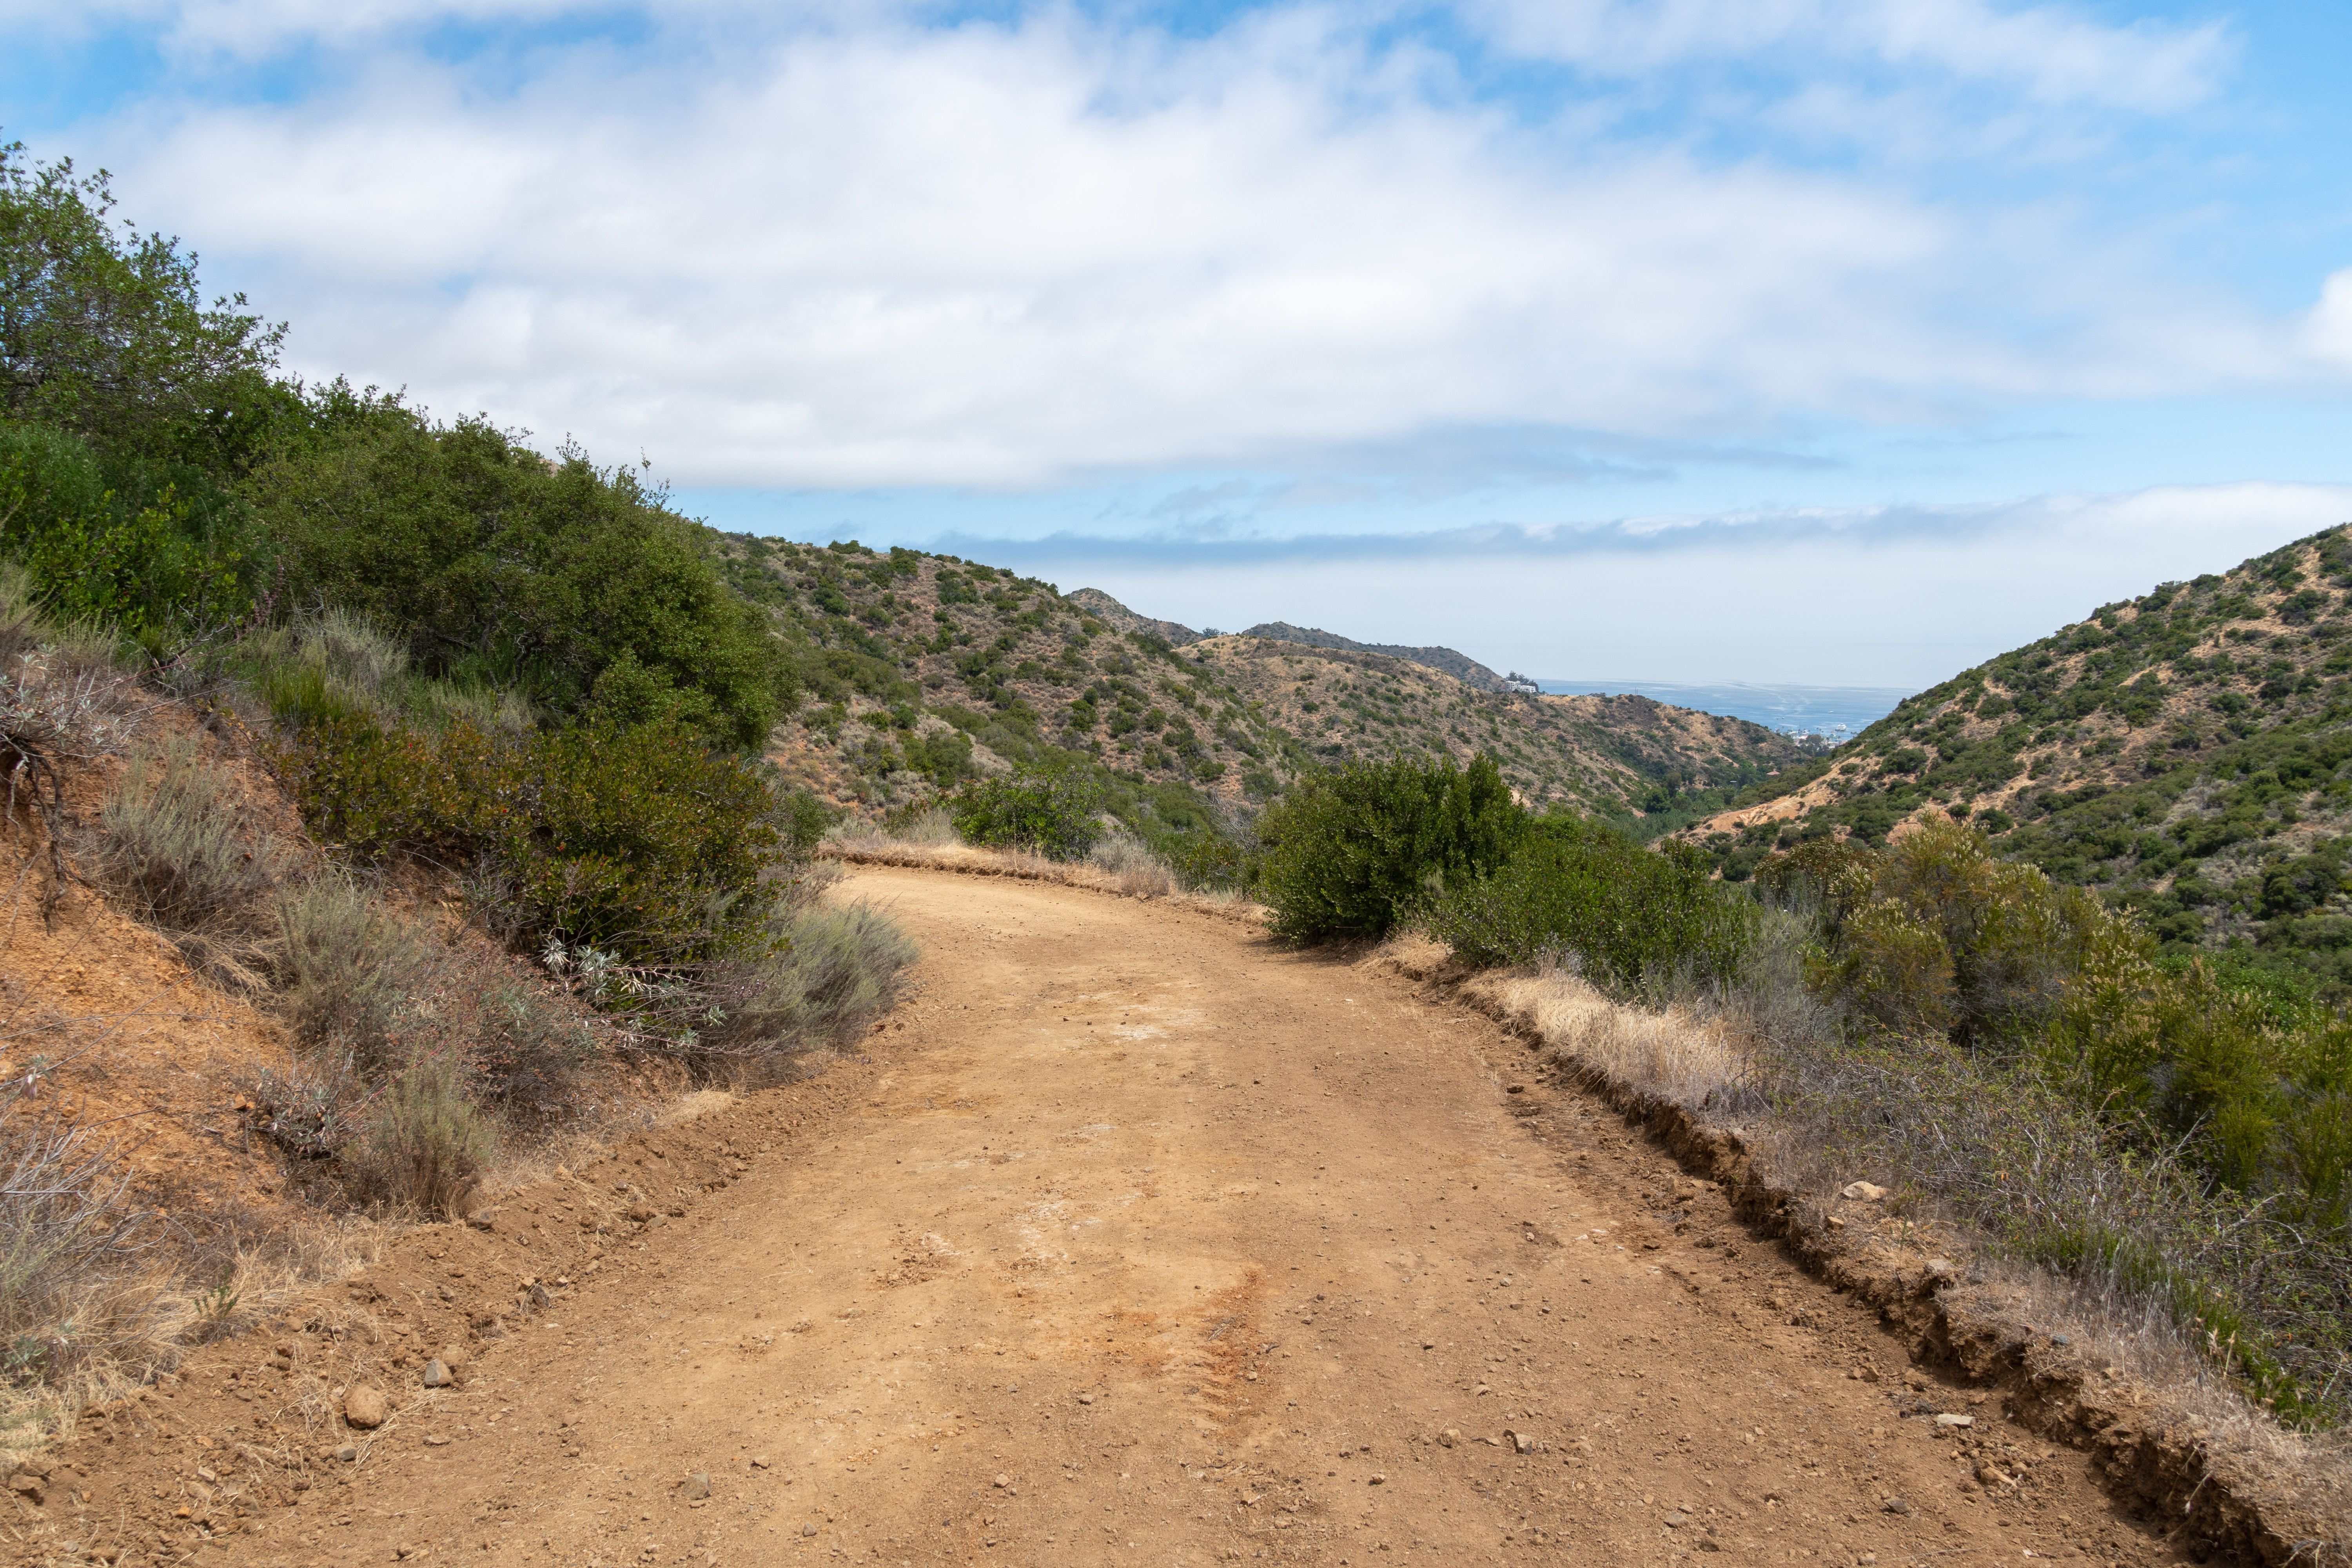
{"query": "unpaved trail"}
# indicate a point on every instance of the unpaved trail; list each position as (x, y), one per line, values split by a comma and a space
(1145, 1241)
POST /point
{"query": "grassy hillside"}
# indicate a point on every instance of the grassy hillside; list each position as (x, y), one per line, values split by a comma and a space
(2185, 752)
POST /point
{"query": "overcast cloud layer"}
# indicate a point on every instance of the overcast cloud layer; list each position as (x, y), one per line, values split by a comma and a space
(1339, 271)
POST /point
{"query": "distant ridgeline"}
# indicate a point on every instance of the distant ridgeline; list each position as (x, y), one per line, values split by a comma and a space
(1460, 666)
(2188, 752)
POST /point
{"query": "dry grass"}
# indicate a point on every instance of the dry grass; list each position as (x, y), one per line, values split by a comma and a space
(2138, 1345)
(99, 1293)
(1132, 867)
(175, 847)
(1694, 1061)
(63, 700)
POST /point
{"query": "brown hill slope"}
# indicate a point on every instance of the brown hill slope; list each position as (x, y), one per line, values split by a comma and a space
(1612, 754)
(924, 669)
(1119, 618)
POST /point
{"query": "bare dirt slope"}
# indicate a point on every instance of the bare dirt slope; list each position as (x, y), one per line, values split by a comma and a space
(1137, 1239)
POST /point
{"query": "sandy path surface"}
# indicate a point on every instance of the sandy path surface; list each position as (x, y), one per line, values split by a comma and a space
(1142, 1240)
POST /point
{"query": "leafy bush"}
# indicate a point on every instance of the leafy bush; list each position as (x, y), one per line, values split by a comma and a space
(2173, 1130)
(1051, 811)
(638, 840)
(1951, 940)
(93, 552)
(1629, 915)
(1352, 853)
(573, 584)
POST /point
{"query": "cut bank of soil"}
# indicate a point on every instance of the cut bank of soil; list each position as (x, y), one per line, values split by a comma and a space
(1137, 1239)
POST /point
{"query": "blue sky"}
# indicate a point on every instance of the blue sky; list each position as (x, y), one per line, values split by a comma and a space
(1844, 342)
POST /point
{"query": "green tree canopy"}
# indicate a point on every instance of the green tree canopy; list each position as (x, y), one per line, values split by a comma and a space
(497, 564)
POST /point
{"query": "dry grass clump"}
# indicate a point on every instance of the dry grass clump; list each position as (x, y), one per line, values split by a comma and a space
(1132, 867)
(1694, 1061)
(838, 968)
(175, 845)
(63, 699)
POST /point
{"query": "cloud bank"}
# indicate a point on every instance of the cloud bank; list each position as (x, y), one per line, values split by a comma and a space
(847, 245)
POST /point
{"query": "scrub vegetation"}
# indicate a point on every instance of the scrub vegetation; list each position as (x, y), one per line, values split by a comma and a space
(446, 752)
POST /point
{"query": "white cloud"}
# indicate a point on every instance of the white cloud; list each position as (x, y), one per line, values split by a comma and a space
(2327, 330)
(2050, 52)
(873, 253)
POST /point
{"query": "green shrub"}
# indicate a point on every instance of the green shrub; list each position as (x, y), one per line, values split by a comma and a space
(1353, 853)
(637, 840)
(426, 1144)
(92, 551)
(1049, 811)
(575, 584)
(1630, 916)
(2176, 1131)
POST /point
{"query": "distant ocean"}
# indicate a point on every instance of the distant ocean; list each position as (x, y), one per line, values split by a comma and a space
(1779, 706)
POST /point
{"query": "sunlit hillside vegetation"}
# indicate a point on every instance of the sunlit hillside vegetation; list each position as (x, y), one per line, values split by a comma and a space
(2188, 753)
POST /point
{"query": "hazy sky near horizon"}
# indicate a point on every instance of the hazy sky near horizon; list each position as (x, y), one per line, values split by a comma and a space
(1843, 341)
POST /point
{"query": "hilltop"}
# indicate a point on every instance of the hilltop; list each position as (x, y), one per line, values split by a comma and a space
(1449, 661)
(1460, 666)
(2184, 752)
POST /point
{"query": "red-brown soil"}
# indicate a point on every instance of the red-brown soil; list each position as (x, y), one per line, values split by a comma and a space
(1136, 1238)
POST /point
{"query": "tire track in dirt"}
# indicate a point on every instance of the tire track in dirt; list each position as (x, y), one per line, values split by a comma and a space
(1147, 1241)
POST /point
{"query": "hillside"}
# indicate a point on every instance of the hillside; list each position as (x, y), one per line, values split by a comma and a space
(1446, 660)
(1119, 618)
(2184, 752)
(924, 669)
(1617, 755)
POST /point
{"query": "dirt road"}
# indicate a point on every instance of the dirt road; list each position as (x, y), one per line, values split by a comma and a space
(1139, 1240)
